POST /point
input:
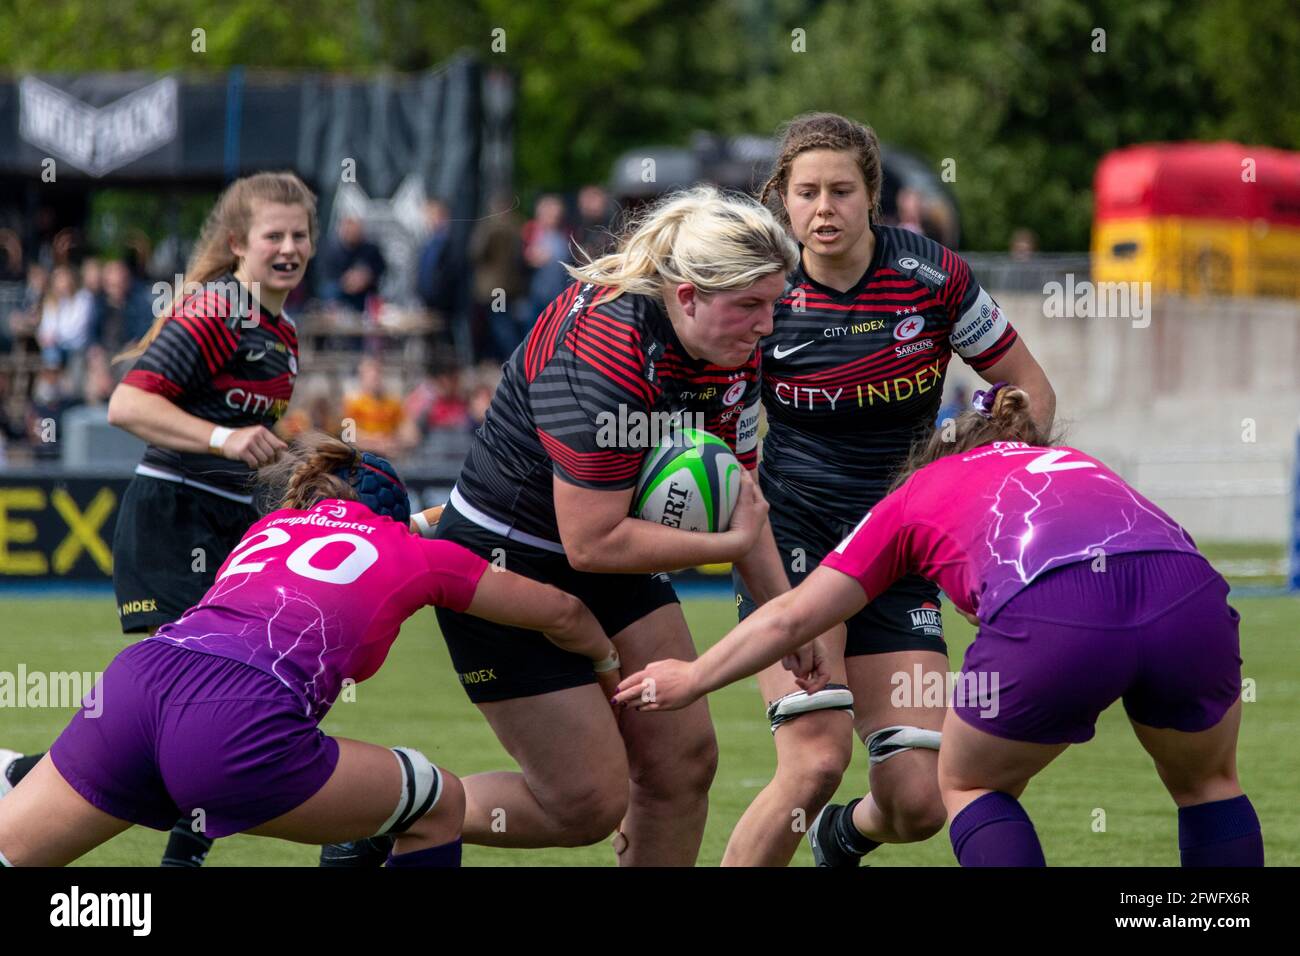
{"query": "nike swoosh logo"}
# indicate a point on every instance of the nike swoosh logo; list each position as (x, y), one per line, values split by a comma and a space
(778, 354)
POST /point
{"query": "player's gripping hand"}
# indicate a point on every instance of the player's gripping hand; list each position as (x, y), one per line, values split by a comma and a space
(808, 664)
(748, 519)
(609, 682)
(254, 445)
(662, 685)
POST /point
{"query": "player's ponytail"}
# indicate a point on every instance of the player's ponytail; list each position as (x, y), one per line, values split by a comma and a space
(305, 474)
(231, 216)
(713, 240)
(999, 413)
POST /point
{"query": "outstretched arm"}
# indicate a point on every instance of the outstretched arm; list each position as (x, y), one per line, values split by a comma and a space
(776, 629)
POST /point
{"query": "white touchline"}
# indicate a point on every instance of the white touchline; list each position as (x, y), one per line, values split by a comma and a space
(778, 354)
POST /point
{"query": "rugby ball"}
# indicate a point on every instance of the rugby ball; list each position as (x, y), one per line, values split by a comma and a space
(691, 482)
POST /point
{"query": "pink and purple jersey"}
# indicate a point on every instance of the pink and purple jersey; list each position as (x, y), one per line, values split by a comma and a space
(316, 597)
(985, 524)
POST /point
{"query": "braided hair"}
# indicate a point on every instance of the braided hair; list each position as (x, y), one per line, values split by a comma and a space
(810, 131)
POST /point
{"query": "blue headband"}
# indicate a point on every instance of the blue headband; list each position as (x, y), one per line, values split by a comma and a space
(377, 486)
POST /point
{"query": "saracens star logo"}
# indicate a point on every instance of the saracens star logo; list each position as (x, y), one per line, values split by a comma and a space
(909, 328)
(734, 394)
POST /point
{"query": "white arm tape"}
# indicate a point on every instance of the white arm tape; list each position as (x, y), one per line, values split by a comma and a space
(219, 435)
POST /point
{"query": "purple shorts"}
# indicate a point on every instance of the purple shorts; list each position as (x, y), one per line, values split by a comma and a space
(1154, 630)
(178, 730)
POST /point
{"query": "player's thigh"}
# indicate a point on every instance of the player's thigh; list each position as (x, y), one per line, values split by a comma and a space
(663, 746)
(971, 759)
(900, 689)
(358, 798)
(565, 742)
(45, 822)
(1196, 767)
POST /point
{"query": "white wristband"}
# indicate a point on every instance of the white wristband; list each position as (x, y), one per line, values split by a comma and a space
(421, 523)
(610, 663)
(219, 435)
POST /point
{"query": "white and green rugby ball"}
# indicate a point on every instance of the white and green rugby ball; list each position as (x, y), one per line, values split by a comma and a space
(691, 482)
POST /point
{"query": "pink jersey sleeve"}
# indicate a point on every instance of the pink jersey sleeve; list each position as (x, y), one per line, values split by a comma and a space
(875, 552)
(454, 573)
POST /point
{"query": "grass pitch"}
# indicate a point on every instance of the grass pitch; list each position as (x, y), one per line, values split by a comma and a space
(416, 700)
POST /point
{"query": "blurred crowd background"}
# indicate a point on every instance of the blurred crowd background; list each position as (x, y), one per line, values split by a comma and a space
(411, 366)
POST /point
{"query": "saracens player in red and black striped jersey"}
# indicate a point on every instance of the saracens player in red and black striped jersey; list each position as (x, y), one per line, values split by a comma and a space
(222, 358)
(584, 372)
(667, 324)
(850, 376)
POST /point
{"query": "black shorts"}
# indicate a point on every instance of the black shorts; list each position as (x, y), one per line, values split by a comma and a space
(906, 617)
(157, 573)
(495, 662)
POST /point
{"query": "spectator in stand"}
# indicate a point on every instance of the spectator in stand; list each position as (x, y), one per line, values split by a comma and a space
(436, 278)
(92, 275)
(593, 234)
(25, 320)
(380, 425)
(546, 250)
(910, 211)
(11, 257)
(479, 401)
(99, 381)
(438, 403)
(441, 272)
(954, 406)
(497, 255)
(67, 315)
(319, 414)
(50, 399)
(351, 266)
(1024, 245)
(123, 312)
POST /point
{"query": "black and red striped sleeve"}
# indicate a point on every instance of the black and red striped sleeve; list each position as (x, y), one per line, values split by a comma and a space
(193, 346)
(980, 333)
(592, 404)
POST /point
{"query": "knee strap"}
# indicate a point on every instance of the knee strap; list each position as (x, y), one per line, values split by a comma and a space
(890, 741)
(830, 697)
(421, 788)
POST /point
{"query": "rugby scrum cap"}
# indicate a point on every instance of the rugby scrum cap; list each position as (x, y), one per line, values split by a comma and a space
(377, 486)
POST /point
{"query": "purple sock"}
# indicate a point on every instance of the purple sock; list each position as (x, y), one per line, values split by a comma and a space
(448, 854)
(994, 830)
(1222, 833)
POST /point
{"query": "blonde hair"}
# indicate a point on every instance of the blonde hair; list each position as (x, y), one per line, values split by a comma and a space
(232, 216)
(713, 240)
(303, 474)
